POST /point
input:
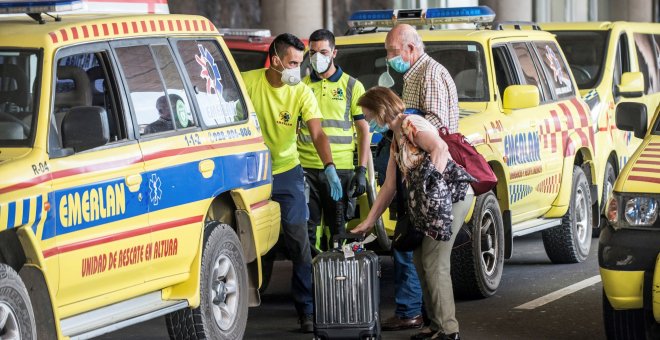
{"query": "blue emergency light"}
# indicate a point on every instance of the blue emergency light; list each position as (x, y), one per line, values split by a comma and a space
(430, 16)
(372, 18)
(476, 14)
(37, 6)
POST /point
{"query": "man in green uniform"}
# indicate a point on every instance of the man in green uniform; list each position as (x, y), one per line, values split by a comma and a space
(337, 94)
(280, 99)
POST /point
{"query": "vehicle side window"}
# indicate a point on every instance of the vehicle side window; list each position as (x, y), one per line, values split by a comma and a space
(648, 57)
(504, 73)
(19, 85)
(531, 75)
(216, 90)
(85, 80)
(157, 93)
(555, 68)
(621, 63)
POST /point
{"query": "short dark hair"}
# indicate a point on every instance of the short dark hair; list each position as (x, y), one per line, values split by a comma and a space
(323, 34)
(282, 42)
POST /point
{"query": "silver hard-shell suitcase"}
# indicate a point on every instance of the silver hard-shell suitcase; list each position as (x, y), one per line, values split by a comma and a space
(346, 295)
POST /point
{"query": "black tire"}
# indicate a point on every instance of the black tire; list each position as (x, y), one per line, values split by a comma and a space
(570, 242)
(15, 306)
(476, 266)
(608, 185)
(223, 285)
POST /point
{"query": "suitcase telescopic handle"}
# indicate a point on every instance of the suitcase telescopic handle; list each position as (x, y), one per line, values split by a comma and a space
(347, 237)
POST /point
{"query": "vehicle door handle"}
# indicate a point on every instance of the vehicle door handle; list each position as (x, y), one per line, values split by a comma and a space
(133, 182)
(206, 168)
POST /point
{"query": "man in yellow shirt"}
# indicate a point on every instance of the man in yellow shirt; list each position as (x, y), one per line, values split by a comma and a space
(280, 99)
(337, 94)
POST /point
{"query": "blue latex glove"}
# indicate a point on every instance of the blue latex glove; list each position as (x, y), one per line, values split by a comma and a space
(334, 182)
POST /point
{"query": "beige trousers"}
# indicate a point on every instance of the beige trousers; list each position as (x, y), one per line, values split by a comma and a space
(432, 261)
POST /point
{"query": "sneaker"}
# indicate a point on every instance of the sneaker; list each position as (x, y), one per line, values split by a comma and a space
(307, 323)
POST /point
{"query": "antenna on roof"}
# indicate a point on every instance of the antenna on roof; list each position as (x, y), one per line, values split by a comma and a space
(37, 17)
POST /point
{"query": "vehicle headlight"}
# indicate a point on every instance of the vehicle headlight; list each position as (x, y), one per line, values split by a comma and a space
(627, 211)
(641, 211)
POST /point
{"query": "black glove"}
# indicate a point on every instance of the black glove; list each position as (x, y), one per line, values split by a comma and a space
(359, 181)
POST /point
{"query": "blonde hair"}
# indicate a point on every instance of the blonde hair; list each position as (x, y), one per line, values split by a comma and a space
(383, 102)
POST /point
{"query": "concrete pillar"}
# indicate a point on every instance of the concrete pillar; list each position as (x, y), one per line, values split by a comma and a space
(299, 17)
(580, 10)
(510, 10)
(632, 10)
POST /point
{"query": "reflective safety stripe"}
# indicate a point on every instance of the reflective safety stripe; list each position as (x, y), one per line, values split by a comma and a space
(349, 99)
(335, 123)
(332, 139)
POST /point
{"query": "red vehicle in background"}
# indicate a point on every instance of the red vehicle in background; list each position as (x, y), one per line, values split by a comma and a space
(250, 47)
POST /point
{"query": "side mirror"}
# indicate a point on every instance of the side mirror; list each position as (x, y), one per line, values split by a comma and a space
(632, 85)
(631, 117)
(85, 127)
(520, 97)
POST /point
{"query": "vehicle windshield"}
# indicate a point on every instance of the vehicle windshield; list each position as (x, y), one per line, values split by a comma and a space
(464, 61)
(18, 87)
(585, 51)
(249, 60)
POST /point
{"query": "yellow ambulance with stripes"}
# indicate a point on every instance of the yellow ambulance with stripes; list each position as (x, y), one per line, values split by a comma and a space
(629, 244)
(520, 107)
(613, 62)
(134, 181)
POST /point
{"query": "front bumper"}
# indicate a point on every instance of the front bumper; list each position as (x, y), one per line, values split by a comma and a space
(628, 261)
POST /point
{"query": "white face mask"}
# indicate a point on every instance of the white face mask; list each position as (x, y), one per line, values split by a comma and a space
(290, 76)
(320, 63)
(385, 79)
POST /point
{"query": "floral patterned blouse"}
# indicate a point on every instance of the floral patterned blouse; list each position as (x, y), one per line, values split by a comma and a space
(406, 153)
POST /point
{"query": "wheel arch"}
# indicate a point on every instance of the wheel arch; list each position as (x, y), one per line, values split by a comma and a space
(501, 192)
(582, 157)
(223, 210)
(613, 159)
(19, 249)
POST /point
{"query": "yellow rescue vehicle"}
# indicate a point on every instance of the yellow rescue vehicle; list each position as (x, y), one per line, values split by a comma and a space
(520, 107)
(134, 181)
(629, 244)
(612, 62)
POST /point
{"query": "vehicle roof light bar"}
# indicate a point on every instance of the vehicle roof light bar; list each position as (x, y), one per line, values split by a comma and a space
(430, 16)
(477, 14)
(37, 6)
(372, 18)
(246, 32)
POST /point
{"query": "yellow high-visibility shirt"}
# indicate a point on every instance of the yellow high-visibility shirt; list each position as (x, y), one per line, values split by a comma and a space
(278, 110)
(333, 95)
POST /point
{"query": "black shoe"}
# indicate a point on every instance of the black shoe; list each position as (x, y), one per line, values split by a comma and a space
(423, 335)
(452, 336)
(307, 323)
(396, 323)
(428, 334)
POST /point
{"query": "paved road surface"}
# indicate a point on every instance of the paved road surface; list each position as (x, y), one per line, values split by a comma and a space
(562, 301)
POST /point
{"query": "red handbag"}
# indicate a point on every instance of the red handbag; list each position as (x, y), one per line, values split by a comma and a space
(474, 163)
